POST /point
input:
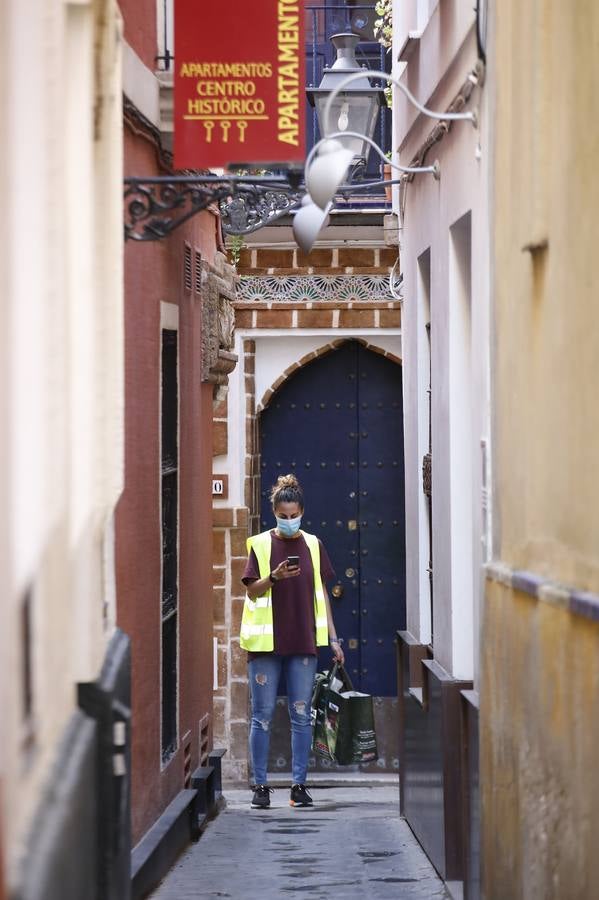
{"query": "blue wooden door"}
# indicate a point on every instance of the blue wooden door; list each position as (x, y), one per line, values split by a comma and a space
(337, 424)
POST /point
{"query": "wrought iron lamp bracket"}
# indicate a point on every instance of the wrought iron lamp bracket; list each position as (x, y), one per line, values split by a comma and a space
(155, 207)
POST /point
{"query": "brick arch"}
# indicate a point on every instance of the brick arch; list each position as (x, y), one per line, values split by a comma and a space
(315, 354)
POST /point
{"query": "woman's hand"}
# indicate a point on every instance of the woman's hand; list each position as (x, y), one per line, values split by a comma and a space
(259, 586)
(284, 570)
(338, 652)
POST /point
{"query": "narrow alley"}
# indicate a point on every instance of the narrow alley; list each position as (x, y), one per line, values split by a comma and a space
(299, 477)
(351, 843)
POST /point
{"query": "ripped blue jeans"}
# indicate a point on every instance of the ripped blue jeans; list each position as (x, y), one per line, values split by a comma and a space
(264, 673)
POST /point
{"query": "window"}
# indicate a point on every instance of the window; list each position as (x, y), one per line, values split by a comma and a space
(169, 505)
(165, 29)
(27, 682)
(424, 292)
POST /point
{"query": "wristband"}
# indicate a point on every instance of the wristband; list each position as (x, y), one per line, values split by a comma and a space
(336, 640)
(272, 579)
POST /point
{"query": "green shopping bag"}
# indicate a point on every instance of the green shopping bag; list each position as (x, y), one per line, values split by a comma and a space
(343, 720)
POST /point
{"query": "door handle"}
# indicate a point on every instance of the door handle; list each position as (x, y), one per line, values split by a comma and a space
(337, 591)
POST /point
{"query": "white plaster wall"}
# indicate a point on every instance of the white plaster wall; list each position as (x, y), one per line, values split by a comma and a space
(276, 350)
(447, 54)
(405, 19)
(140, 84)
(62, 394)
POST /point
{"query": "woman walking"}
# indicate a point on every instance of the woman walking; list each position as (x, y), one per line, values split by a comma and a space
(286, 616)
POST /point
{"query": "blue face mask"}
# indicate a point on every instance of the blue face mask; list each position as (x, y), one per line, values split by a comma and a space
(288, 527)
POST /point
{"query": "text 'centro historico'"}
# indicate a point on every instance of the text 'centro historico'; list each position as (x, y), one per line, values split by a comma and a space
(239, 83)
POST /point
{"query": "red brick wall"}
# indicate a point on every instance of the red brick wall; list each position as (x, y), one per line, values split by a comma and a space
(140, 29)
(318, 314)
(153, 272)
(322, 260)
(230, 531)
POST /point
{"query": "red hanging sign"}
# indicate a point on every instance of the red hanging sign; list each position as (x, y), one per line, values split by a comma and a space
(239, 82)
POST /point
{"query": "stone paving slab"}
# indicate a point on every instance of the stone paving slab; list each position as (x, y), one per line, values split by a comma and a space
(352, 844)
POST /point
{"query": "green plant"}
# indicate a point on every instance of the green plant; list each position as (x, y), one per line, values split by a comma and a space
(383, 26)
(236, 243)
(383, 31)
(250, 170)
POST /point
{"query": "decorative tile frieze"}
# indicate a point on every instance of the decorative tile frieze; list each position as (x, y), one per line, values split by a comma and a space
(303, 288)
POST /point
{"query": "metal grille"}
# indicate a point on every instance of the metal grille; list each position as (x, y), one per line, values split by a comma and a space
(169, 687)
(204, 739)
(198, 272)
(427, 474)
(427, 466)
(169, 497)
(187, 760)
(187, 268)
(26, 658)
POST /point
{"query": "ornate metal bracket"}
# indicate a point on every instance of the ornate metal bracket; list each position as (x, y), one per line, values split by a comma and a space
(155, 207)
(254, 206)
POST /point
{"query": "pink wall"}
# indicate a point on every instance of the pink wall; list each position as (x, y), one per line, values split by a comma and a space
(153, 272)
(140, 28)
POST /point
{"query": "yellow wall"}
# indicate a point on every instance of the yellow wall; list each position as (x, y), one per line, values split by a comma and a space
(539, 740)
(540, 664)
(546, 75)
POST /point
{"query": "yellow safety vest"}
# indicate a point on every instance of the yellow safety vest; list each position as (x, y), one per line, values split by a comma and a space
(257, 623)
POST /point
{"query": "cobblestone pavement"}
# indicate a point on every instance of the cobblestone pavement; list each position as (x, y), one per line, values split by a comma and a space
(352, 844)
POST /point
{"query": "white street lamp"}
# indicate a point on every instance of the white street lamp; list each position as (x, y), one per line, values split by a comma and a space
(307, 223)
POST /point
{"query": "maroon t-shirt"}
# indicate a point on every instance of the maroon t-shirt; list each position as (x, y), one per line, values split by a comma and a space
(292, 598)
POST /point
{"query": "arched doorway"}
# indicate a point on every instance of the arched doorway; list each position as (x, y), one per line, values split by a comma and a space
(337, 423)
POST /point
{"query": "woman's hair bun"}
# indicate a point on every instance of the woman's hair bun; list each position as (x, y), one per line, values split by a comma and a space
(287, 481)
(287, 490)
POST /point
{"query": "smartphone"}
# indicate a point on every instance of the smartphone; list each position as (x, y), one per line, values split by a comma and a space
(293, 562)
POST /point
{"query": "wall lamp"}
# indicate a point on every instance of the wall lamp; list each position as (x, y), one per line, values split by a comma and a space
(329, 159)
(308, 221)
(384, 76)
(325, 172)
(323, 180)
